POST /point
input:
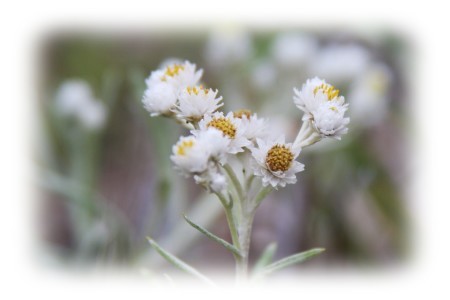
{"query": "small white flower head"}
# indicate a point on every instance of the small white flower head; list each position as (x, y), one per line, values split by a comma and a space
(190, 155)
(176, 74)
(160, 99)
(254, 127)
(74, 98)
(196, 101)
(230, 127)
(323, 106)
(329, 120)
(216, 144)
(274, 162)
(164, 86)
(212, 179)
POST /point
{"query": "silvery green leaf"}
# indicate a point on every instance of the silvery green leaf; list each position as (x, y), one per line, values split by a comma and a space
(179, 263)
(291, 260)
(266, 257)
(213, 237)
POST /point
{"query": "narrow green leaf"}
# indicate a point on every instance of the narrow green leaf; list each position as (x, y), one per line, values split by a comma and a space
(213, 237)
(291, 260)
(179, 263)
(266, 257)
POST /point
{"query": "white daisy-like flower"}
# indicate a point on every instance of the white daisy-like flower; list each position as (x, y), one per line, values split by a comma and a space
(329, 120)
(189, 155)
(215, 143)
(230, 127)
(164, 86)
(323, 107)
(196, 101)
(254, 127)
(159, 99)
(275, 162)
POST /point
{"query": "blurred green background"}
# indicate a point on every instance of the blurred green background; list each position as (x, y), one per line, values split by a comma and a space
(106, 187)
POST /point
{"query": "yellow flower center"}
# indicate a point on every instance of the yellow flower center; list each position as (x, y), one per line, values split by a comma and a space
(183, 146)
(328, 90)
(279, 158)
(224, 125)
(172, 71)
(195, 90)
(242, 112)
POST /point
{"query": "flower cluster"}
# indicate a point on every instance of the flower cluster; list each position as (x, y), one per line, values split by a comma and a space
(239, 140)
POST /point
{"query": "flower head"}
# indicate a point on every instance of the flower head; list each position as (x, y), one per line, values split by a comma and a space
(275, 162)
(196, 101)
(254, 127)
(164, 86)
(230, 127)
(190, 155)
(323, 107)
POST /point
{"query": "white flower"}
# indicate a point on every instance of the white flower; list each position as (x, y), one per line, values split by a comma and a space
(195, 102)
(190, 155)
(254, 127)
(74, 98)
(164, 86)
(200, 156)
(159, 99)
(212, 179)
(329, 120)
(215, 143)
(230, 127)
(275, 162)
(323, 107)
(193, 154)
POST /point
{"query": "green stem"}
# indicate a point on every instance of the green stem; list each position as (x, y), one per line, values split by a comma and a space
(230, 220)
(237, 185)
(261, 195)
(248, 183)
(245, 230)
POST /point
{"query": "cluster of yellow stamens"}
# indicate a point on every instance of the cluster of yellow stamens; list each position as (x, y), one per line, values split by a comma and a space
(172, 70)
(183, 146)
(195, 90)
(224, 125)
(328, 90)
(279, 158)
(242, 112)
